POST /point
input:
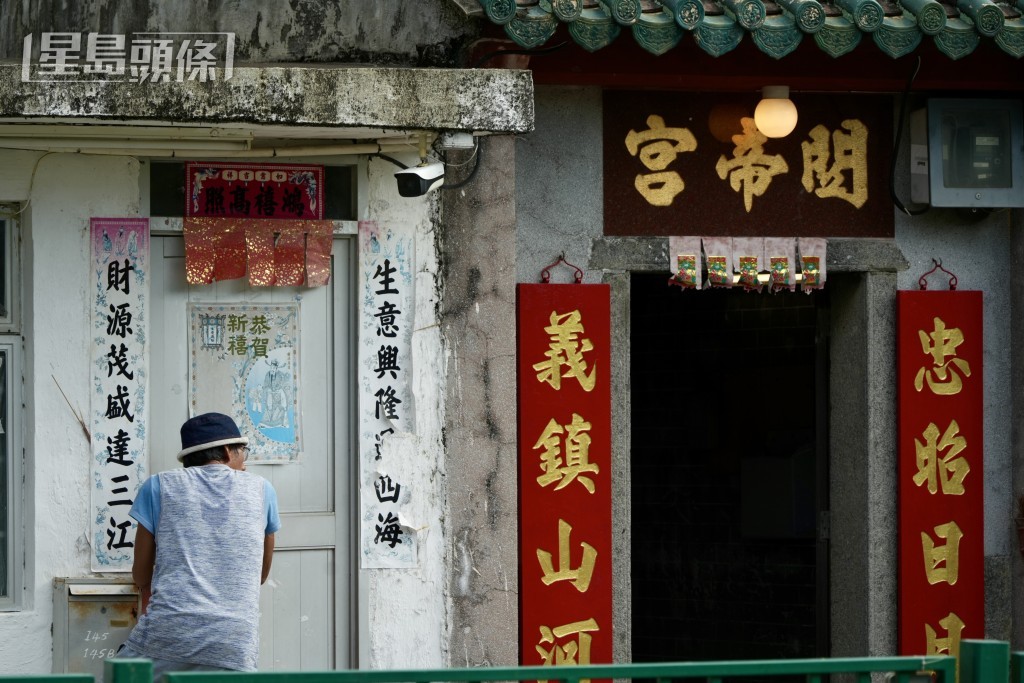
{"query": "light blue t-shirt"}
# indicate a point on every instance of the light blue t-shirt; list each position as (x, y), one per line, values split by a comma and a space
(146, 508)
(210, 525)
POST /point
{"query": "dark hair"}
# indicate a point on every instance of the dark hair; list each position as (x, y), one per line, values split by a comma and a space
(205, 457)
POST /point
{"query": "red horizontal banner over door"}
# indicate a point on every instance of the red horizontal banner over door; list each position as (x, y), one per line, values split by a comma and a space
(564, 379)
(941, 462)
(244, 190)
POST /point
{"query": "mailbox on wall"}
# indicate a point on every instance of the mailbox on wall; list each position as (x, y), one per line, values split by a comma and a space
(91, 618)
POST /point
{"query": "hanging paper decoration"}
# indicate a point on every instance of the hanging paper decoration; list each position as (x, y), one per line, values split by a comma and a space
(684, 261)
(718, 251)
(781, 255)
(812, 263)
(246, 190)
(745, 260)
(259, 248)
(748, 255)
(318, 257)
(245, 362)
(275, 252)
(289, 259)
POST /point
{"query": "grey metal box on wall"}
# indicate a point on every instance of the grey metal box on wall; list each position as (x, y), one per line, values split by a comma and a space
(968, 153)
(91, 618)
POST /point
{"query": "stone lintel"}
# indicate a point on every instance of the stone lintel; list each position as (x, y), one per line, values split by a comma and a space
(345, 96)
(646, 254)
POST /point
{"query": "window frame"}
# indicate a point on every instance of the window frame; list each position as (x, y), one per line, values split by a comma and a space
(11, 599)
(12, 348)
(10, 320)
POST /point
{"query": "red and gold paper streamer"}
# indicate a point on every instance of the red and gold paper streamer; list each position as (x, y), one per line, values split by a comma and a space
(275, 252)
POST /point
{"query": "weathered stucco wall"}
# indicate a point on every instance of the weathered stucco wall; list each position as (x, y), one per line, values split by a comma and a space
(386, 32)
(340, 98)
(478, 317)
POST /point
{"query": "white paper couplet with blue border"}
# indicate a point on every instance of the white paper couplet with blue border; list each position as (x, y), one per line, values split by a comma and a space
(386, 268)
(120, 284)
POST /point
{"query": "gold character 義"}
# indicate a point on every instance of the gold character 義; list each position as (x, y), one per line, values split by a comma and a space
(565, 352)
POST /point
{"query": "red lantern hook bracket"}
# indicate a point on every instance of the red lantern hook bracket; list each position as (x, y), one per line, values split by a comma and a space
(923, 280)
(545, 275)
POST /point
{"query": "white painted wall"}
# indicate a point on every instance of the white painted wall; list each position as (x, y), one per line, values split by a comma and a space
(63, 192)
(404, 612)
(408, 610)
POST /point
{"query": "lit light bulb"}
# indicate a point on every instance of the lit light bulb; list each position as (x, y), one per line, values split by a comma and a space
(775, 115)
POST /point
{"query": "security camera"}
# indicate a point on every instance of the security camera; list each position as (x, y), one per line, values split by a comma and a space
(419, 180)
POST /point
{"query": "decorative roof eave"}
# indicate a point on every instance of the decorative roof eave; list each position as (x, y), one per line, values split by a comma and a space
(776, 27)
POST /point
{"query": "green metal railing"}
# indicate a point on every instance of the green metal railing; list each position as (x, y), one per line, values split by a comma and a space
(981, 661)
(813, 671)
(906, 669)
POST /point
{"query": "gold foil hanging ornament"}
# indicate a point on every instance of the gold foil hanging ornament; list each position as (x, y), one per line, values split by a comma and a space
(719, 273)
(686, 271)
(812, 262)
(748, 273)
(779, 273)
(811, 268)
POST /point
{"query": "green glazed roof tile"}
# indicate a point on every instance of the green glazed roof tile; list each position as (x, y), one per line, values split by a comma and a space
(778, 36)
(836, 25)
(1011, 38)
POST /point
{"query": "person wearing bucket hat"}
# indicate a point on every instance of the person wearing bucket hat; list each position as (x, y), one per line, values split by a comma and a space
(204, 545)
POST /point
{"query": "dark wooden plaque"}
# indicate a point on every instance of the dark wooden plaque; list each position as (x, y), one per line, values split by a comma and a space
(695, 164)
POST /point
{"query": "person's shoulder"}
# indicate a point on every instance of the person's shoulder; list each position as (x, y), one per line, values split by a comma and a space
(252, 477)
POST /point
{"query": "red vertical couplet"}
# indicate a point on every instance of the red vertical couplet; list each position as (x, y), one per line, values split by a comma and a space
(941, 463)
(565, 474)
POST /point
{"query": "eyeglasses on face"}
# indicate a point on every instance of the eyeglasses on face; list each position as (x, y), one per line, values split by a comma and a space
(245, 452)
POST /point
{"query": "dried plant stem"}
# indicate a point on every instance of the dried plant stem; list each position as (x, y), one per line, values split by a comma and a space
(78, 416)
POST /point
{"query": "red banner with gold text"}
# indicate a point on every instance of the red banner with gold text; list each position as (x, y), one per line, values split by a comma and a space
(941, 506)
(564, 379)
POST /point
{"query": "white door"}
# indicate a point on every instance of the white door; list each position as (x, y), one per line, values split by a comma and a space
(306, 606)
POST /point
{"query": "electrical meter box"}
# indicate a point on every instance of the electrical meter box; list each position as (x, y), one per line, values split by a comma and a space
(968, 153)
(91, 618)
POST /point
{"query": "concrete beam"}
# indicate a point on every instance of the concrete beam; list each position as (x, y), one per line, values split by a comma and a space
(481, 100)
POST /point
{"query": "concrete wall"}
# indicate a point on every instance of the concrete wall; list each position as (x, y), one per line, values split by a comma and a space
(976, 247)
(385, 32)
(478, 231)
